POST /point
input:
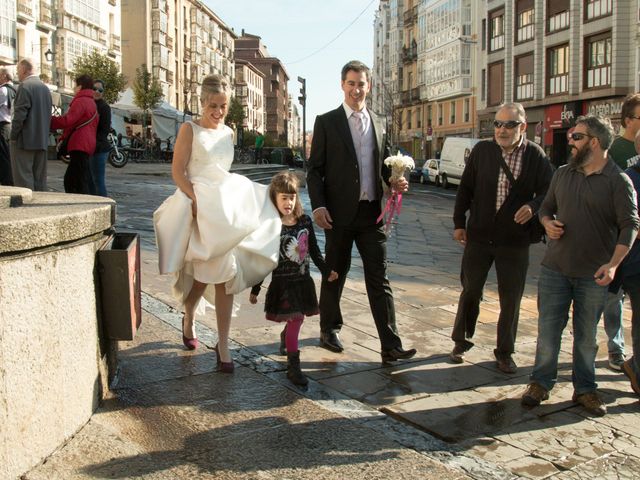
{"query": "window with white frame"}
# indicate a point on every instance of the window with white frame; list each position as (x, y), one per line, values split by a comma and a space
(525, 20)
(598, 8)
(557, 15)
(496, 33)
(558, 68)
(598, 64)
(524, 77)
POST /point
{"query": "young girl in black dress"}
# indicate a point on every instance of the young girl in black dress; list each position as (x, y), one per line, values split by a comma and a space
(292, 294)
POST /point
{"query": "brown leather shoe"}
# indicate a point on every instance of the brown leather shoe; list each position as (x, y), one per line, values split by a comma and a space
(591, 403)
(631, 375)
(534, 394)
(506, 365)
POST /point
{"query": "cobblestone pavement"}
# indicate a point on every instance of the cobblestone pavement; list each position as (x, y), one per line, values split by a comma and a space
(466, 417)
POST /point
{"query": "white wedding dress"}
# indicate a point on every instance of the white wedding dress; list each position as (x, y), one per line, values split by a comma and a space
(236, 235)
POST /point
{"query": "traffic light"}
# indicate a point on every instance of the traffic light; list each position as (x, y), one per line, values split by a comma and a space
(303, 91)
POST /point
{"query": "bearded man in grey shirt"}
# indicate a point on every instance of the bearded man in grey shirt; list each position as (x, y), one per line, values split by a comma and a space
(591, 219)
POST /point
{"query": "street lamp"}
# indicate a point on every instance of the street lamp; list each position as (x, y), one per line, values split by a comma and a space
(49, 55)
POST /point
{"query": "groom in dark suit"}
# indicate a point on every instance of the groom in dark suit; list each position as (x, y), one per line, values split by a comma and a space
(345, 178)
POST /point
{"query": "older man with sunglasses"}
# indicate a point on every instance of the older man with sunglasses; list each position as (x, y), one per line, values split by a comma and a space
(590, 216)
(502, 187)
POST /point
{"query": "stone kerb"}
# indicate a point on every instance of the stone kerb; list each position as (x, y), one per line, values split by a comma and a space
(52, 371)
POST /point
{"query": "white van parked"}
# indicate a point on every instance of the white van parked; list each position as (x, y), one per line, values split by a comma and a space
(453, 158)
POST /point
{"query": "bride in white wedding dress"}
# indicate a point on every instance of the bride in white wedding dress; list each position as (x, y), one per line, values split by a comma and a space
(218, 233)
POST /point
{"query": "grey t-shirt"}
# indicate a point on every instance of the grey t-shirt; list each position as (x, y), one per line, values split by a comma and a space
(598, 211)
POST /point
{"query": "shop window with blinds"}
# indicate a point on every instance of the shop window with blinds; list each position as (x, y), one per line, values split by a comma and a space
(597, 8)
(558, 68)
(495, 90)
(524, 77)
(525, 20)
(598, 62)
(496, 30)
(557, 15)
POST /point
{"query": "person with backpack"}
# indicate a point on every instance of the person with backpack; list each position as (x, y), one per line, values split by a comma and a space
(7, 95)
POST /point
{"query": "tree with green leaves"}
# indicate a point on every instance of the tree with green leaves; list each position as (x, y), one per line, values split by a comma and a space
(101, 67)
(147, 92)
(235, 114)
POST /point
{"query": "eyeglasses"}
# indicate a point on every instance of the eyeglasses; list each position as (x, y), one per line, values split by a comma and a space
(577, 136)
(510, 125)
(98, 89)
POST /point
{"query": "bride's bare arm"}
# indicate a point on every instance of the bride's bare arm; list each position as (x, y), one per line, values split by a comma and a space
(181, 156)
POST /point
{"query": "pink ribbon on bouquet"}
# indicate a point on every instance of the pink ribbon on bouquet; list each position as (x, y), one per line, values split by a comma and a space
(392, 207)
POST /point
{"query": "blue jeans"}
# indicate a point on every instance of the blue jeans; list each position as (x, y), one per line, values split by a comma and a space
(631, 285)
(556, 293)
(97, 185)
(613, 322)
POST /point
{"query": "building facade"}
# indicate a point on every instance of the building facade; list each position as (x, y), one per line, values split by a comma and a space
(250, 93)
(26, 31)
(295, 126)
(387, 64)
(560, 59)
(447, 36)
(54, 33)
(180, 42)
(425, 55)
(250, 48)
(84, 26)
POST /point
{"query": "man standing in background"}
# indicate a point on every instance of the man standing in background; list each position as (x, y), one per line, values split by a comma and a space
(30, 130)
(7, 97)
(622, 152)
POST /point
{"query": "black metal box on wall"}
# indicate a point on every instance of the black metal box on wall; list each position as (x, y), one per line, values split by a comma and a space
(120, 289)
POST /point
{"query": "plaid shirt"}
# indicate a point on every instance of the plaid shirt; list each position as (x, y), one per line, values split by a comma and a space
(514, 162)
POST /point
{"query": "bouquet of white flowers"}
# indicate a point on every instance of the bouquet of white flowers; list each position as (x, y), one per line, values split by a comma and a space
(399, 164)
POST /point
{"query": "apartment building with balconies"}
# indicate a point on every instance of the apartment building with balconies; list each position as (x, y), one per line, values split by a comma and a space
(54, 33)
(250, 48)
(83, 26)
(387, 66)
(424, 63)
(560, 59)
(250, 94)
(181, 42)
(447, 34)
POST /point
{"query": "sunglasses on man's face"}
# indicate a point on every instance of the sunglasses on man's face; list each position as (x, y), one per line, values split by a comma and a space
(577, 136)
(510, 125)
(98, 89)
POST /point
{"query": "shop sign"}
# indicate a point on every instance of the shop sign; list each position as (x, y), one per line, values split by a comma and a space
(607, 108)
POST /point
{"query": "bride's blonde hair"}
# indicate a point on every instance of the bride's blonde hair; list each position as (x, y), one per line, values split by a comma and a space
(212, 85)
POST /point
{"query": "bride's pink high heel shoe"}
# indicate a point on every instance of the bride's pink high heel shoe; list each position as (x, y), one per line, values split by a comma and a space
(223, 367)
(190, 343)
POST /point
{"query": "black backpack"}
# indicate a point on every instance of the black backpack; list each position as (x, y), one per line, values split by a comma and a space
(11, 94)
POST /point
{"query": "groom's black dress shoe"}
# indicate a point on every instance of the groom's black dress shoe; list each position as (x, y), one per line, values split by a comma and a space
(330, 341)
(397, 353)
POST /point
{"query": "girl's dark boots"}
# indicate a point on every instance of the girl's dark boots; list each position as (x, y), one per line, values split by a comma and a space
(294, 374)
(283, 344)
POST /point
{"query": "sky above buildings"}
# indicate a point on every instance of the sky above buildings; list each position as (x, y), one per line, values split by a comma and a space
(293, 30)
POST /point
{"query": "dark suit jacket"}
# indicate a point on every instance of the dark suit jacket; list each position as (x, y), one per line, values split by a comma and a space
(333, 177)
